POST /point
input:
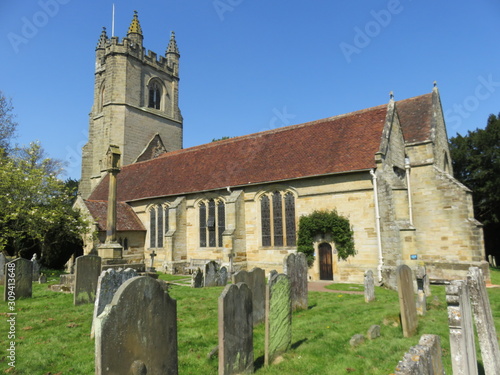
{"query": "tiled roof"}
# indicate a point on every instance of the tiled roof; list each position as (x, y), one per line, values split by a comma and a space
(127, 220)
(415, 115)
(333, 145)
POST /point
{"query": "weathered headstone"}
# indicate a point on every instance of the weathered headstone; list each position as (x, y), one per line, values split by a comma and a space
(373, 332)
(295, 266)
(256, 281)
(494, 258)
(87, 271)
(42, 279)
(210, 274)
(369, 287)
(197, 279)
(485, 326)
(462, 347)
(108, 283)
(490, 259)
(407, 304)
(36, 268)
(422, 359)
(18, 278)
(137, 331)
(271, 274)
(235, 330)
(357, 340)
(423, 281)
(421, 303)
(278, 336)
(221, 278)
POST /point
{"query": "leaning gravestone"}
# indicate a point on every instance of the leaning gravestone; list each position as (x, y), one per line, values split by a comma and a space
(462, 346)
(295, 266)
(407, 304)
(278, 336)
(137, 332)
(108, 283)
(235, 330)
(485, 326)
(197, 279)
(18, 279)
(369, 287)
(210, 274)
(87, 271)
(256, 281)
(36, 268)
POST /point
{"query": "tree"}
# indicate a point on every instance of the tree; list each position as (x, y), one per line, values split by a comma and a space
(476, 163)
(8, 125)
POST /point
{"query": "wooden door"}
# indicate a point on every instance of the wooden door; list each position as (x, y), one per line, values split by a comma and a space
(325, 262)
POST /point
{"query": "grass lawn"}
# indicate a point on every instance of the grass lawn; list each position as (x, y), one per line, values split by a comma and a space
(52, 335)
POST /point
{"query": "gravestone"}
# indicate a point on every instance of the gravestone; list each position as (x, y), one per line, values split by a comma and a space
(278, 336)
(407, 305)
(369, 287)
(373, 332)
(18, 278)
(462, 346)
(108, 283)
(36, 268)
(210, 274)
(490, 259)
(271, 274)
(235, 330)
(256, 281)
(357, 340)
(423, 281)
(197, 279)
(422, 359)
(485, 326)
(421, 303)
(137, 331)
(87, 271)
(295, 266)
(494, 261)
(42, 279)
(222, 276)
(2, 267)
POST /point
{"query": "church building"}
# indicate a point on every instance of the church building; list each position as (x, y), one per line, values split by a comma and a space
(238, 201)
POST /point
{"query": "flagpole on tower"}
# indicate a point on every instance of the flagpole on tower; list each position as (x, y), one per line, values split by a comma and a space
(113, 21)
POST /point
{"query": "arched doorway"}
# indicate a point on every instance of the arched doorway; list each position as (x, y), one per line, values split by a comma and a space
(325, 261)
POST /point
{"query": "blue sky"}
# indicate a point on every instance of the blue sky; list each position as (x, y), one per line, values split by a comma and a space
(253, 65)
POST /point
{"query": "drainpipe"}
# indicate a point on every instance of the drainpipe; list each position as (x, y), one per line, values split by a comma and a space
(408, 182)
(377, 217)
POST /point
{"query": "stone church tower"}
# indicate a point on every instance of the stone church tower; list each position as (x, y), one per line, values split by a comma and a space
(135, 104)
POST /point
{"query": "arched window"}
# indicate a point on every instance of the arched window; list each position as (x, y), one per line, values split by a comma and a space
(212, 223)
(154, 95)
(158, 225)
(278, 219)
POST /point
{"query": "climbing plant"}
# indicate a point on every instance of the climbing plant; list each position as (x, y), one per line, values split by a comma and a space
(321, 223)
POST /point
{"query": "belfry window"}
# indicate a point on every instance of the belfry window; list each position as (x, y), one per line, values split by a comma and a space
(158, 225)
(154, 95)
(277, 212)
(212, 223)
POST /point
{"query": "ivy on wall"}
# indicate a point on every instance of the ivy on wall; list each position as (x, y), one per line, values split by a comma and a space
(321, 223)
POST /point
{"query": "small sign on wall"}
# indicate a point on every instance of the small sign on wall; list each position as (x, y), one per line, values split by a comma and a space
(414, 257)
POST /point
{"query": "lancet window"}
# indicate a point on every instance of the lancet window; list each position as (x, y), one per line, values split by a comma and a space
(277, 211)
(158, 225)
(154, 95)
(212, 215)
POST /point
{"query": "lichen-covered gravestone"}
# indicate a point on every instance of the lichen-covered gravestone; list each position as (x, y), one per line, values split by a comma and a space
(210, 274)
(462, 345)
(221, 277)
(407, 304)
(197, 279)
(137, 332)
(108, 283)
(87, 271)
(235, 330)
(369, 287)
(36, 268)
(256, 281)
(278, 336)
(18, 279)
(485, 325)
(295, 266)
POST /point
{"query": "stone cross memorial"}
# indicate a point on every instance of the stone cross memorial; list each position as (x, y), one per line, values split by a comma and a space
(485, 325)
(235, 330)
(295, 266)
(137, 331)
(407, 304)
(87, 271)
(278, 336)
(462, 346)
(256, 281)
(18, 279)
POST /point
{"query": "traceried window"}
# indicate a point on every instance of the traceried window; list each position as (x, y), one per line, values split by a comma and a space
(154, 95)
(158, 225)
(278, 219)
(212, 222)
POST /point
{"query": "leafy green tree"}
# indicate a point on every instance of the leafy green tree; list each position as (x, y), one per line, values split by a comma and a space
(8, 125)
(476, 163)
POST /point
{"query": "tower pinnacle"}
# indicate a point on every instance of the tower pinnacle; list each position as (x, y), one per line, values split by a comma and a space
(102, 39)
(135, 26)
(172, 45)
